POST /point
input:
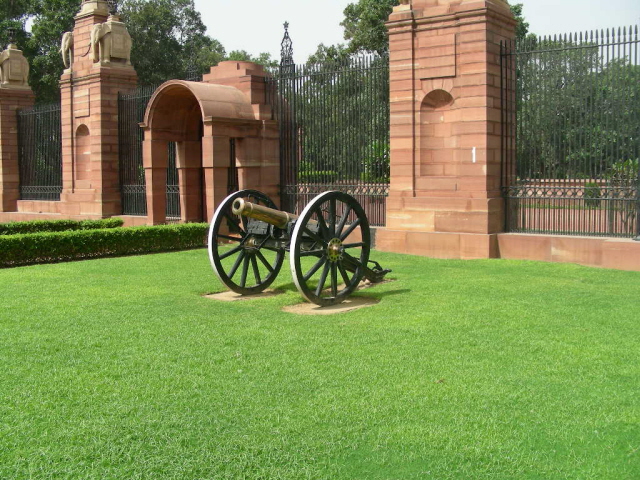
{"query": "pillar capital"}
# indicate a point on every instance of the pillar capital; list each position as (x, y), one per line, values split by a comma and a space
(93, 7)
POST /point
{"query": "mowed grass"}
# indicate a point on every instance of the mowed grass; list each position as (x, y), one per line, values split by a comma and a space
(120, 369)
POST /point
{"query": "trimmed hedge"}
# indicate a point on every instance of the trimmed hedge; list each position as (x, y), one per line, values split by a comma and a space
(48, 247)
(36, 226)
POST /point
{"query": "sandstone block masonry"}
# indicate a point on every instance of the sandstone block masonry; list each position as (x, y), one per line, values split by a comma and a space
(445, 127)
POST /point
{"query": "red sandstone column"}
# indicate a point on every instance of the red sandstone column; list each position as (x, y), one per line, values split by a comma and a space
(155, 158)
(189, 162)
(215, 164)
(445, 198)
(11, 99)
(89, 90)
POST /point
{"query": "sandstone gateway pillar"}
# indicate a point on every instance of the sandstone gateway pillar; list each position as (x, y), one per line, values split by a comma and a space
(98, 67)
(445, 198)
(15, 94)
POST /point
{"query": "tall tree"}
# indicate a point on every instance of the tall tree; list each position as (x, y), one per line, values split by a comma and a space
(364, 27)
(168, 38)
(243, 56)
(365, 31)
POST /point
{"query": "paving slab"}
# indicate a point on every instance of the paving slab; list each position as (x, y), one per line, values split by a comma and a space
(351, 303)
(229, 296)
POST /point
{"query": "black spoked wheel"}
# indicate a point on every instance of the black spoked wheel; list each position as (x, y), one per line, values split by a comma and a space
(329, 247)
(240, 259)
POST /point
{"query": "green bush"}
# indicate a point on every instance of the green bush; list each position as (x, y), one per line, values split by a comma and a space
(375, 163)
(37, 226)
(47, 247)
(318, 176)
(592, 194)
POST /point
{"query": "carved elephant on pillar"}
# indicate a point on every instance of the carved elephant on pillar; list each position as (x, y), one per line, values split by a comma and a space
(66, 49)
(3, 56)
(110, 40)
(14, 68)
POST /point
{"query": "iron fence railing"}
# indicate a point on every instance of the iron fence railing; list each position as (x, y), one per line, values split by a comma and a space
(131, 110)
(40, 152)
(334, 131)
(571, 134)
(173, 186)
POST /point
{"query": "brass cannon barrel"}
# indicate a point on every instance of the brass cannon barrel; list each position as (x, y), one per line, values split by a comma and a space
(271, 216)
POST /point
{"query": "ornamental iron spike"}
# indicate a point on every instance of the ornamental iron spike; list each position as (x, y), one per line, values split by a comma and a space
(286, 51)
(12, 35)
(113, 7)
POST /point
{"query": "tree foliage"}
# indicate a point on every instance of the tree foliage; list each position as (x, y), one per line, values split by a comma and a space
(365, 30)
(243, 56)
(577, 112)
(364, 27)
(169, 39)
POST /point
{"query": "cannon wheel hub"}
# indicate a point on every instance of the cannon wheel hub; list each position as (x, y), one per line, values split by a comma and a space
(334, 250)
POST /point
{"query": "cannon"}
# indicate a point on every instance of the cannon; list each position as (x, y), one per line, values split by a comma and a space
(328, 245)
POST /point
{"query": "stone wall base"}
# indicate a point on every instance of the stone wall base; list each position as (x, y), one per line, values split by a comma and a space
(465, 246)
(617, 253)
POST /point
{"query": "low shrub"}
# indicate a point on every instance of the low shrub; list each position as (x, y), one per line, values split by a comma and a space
(48, 247)
(592, 194)
(37, 226)
(318, 176)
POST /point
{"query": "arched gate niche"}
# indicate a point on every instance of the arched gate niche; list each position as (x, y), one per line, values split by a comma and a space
(202, 119)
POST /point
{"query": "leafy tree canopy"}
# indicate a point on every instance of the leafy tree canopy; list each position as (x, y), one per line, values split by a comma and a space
(243, 56)
(169, 39)
(365, 31)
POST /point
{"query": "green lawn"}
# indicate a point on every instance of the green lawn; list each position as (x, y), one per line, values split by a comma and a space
(120, 369)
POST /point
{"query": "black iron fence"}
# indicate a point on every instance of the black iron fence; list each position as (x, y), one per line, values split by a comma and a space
(40, 152)
(173, 186)
(571, 134)
(334, 131)
(131, 109)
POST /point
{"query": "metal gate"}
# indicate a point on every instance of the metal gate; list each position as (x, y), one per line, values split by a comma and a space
(131, 110)
(571, 134)
(334, 130)
(40, 152)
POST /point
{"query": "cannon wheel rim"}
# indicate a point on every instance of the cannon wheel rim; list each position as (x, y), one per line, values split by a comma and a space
(334, 269)
(249, 262)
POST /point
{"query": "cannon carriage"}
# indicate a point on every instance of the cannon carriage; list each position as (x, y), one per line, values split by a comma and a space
(328, 244)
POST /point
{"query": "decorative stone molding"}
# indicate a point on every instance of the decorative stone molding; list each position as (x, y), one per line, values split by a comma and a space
(111, 41)
(14, 68)
(94, 7)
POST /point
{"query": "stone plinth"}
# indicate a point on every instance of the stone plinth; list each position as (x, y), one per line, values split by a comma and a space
(445, 197)
(618, 253)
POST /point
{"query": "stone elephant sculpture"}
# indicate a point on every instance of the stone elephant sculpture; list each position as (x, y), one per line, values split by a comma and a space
(14, 68)
(110, 40)
(3, 56)
(66, 49)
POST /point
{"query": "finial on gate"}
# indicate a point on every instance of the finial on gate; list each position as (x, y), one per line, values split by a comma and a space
(12, 37)
(113, 7)
(286, 51)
